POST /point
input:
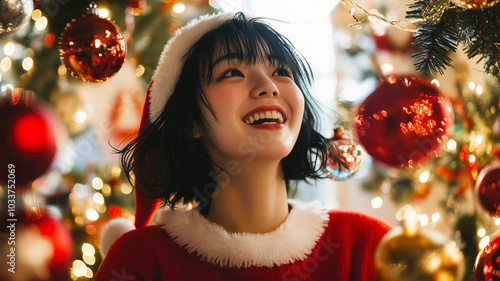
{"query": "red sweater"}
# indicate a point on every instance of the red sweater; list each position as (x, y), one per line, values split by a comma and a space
(344, 251)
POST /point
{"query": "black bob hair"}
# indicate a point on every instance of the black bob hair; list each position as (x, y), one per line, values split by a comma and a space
(170, 164)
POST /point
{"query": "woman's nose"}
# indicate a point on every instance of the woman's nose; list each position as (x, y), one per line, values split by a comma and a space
(264, 87)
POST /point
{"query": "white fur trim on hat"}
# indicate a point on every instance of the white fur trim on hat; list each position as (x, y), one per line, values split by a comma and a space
(172, 59)
(112, 231)
(293, 240)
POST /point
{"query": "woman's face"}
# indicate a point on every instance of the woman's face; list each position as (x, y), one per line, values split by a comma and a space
(259, 111)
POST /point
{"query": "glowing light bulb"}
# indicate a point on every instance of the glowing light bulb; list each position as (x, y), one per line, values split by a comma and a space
(179, 8)
(424, 220)
(27, 63)
(436, 82)
(377, 202)
(9, 49)
(424, 176)
(479, 89)
(92, 214)
(484, 242)
(435, 217)
(472, 85)
(481, 232)
(41, 23)
(451, 145)
(80, 116)
(97, 183)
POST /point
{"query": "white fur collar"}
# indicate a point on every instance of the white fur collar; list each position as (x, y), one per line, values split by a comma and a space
(291, 241)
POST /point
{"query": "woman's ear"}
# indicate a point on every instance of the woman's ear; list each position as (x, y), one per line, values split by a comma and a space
(197, 131)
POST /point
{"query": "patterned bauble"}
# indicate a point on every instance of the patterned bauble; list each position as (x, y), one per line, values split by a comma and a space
(350, 157)
(475, 4)
(488, 189)
(29, 141)
(92, 48)
(14, 14)
(403, 122)
(413, 253)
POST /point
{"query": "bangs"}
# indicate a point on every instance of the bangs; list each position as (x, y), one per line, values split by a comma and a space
(249, 41)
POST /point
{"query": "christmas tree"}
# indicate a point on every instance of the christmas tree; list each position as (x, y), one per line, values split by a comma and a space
(73, 79)
(453, 45)
(72, 105)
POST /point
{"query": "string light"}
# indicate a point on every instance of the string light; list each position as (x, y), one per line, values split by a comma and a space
(92, 214)
(98, 198)
(424, 220)
(377, 202)
(435, 217)
(484, 242)
(139, 70)
(424, 176)
(479, 90)
(36, 14)
(97, 183)
(5, 64)
(435, 82)
(41, 23)
(451, 145)
(481, 232)
(179, 8)
(9, 49)
(472, 159)
(352, 8)
(472, 85)
(27, 63)
(80, 116)
(103, 13)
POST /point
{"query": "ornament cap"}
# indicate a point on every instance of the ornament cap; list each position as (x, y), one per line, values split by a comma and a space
(92, 9)
(410, 220)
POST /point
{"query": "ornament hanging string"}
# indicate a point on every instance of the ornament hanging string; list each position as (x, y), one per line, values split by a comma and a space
(352, 8)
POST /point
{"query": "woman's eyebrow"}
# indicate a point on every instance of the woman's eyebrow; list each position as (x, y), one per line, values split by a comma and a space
(227, 57)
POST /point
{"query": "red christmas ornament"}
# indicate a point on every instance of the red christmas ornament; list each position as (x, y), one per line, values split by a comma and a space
(28, 142)
(487, 265)
(44, 246)
(403, 122)
(488, 189)
(62, 241)
(92, 48)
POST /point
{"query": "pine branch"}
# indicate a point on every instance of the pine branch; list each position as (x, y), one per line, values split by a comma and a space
(434, 41)
(481, 35)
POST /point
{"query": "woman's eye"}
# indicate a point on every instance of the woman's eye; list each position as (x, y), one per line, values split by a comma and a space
(282, 72)
(232, 73)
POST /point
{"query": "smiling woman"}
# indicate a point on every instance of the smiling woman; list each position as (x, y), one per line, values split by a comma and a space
(220, 150)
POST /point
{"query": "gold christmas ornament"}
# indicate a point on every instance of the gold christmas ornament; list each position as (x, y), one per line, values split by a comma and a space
(475, 4)
(411, 253)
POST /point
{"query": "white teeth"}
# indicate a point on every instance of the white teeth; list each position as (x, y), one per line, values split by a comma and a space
(276, 116)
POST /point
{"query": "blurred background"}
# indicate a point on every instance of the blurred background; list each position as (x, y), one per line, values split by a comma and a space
(63, 108)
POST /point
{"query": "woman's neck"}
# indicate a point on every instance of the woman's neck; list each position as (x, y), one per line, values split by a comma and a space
(253, 199)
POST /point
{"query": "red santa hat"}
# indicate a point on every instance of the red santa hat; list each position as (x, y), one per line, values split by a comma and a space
(160, 89)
